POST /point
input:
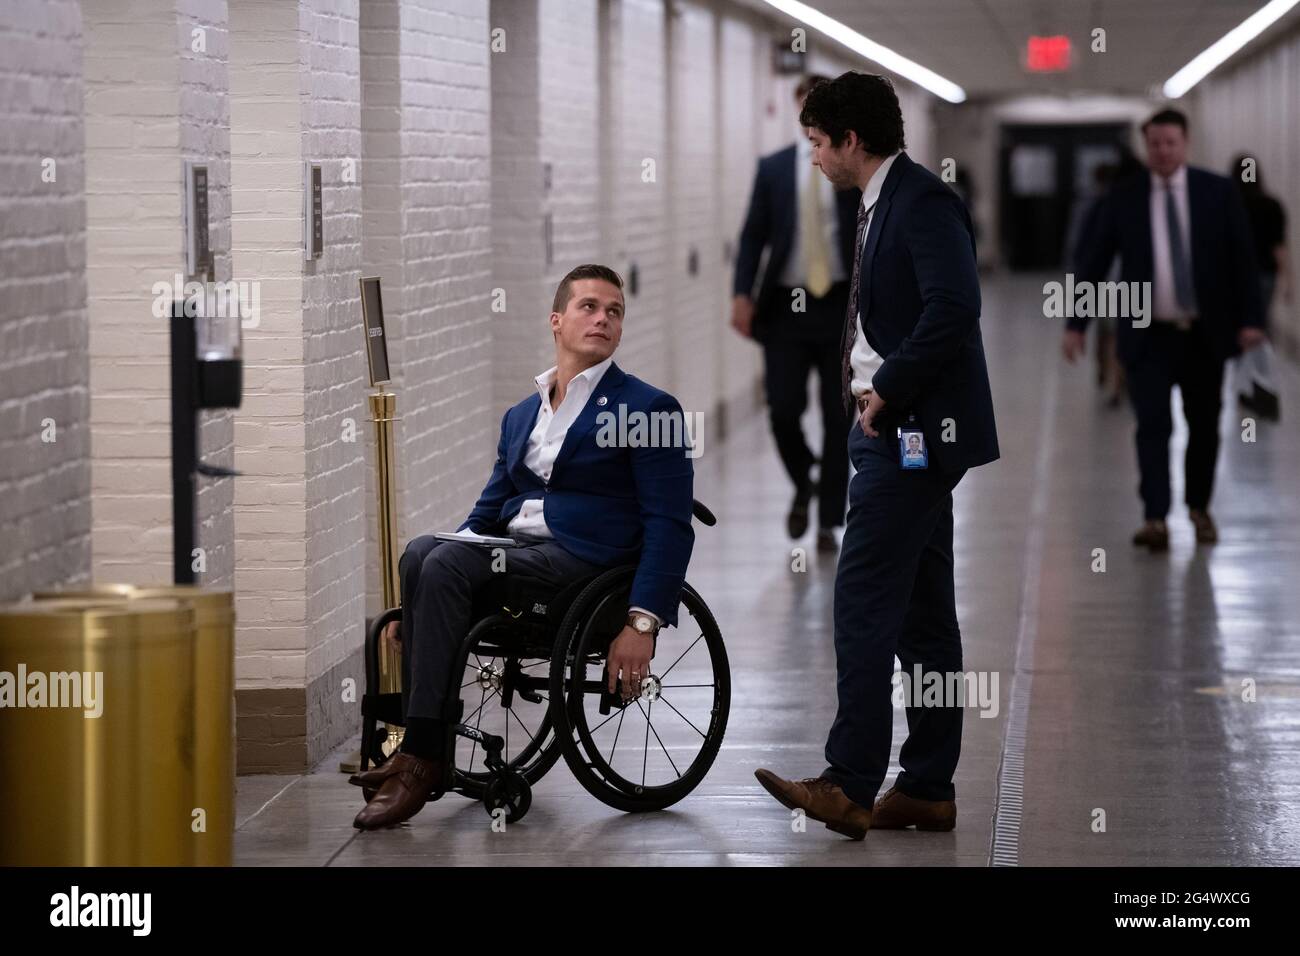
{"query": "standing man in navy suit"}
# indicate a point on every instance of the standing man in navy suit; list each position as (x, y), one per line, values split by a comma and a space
(1184, 232)
(574, 502)
(798, 314)
(913, 365)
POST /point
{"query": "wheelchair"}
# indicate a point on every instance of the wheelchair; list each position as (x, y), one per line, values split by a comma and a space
(533, 666)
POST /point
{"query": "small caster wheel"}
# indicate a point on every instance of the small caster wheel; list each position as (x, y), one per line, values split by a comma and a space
(510, 792)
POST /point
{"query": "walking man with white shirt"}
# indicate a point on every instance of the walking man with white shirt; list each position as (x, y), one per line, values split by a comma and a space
(913, 365)
(797, 314)
(1184, 231)
(574, 504)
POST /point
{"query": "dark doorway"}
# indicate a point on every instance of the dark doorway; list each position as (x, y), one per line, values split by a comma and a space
(1048, 176)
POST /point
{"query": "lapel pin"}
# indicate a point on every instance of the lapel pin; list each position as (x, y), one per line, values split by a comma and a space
(602, 400)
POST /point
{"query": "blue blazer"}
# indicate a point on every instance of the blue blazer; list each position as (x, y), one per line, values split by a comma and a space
(609, 505)
(770, 223)
(919, 298)
(1224, 268)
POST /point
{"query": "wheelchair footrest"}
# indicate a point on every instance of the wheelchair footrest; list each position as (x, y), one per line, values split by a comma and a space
(492, 744)
(386, 708)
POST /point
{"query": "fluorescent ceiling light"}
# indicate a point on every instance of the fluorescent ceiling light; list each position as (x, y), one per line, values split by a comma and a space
(1204, 62)
(855, 41)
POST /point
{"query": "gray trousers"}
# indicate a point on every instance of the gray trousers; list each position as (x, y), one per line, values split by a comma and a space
(439, 581)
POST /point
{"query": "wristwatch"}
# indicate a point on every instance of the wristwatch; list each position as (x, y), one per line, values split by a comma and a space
(643, 623)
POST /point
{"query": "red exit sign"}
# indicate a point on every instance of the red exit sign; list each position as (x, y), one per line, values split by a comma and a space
(1048, 54)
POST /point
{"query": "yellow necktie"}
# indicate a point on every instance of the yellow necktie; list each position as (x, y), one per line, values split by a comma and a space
(816, 257)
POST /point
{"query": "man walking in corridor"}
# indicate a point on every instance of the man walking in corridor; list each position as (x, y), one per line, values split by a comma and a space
(797, 313)
(1183, 231)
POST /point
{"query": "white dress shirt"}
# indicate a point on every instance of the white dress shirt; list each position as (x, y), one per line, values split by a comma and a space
(547, 436)
(792, 276)
(545, 440)
(863, 358)
(1164, 304)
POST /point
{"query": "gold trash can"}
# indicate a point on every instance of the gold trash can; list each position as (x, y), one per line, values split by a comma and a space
(214, 705)
(96, 770)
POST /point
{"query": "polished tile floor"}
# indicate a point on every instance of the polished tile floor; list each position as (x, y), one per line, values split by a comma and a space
(1121, 735)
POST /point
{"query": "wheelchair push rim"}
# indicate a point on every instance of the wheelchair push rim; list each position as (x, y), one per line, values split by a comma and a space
(654, 751)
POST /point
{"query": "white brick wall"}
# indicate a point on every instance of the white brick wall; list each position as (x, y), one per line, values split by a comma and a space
(1252, 108)
(152, 102)
(270, 445)
(333, 340)
(443, 378)
(695, 323)
(521, 334)
(296, 94)
(205, 138)
(44, 486)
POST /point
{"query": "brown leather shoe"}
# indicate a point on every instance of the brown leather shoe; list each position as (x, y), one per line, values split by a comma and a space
(408, 783)
(821, 799)
(897, 811)
(1153, 535)
(371, 779)
(1206, 532)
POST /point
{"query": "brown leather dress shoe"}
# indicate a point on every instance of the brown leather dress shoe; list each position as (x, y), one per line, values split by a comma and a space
(1206, 532)
(897, 811)
(821, 799)
(408, 783)
(1153, 535)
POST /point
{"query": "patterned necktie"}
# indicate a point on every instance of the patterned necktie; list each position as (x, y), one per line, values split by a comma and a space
(851, 320)
(1184, 292)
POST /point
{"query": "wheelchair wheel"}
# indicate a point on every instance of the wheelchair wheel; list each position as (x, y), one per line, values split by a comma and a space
(509, 792)
(653, 751)
(504, 684)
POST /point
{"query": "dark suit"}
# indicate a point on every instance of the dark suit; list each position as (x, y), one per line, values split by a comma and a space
(794, 343)
(606, 503)
(1160, 356)
(920, 302)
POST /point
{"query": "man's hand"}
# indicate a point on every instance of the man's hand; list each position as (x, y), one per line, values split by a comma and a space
(866, 413)
(630, 655)
(1073, 345)
(1249, 336)
(391, 636)
(742, 315)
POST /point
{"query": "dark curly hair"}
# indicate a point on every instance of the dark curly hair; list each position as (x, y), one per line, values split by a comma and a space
(863, 102)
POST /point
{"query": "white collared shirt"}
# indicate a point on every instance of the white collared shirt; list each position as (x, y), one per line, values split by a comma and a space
(863, 359)
(1164, 298)
(792, 276)
(548, 435)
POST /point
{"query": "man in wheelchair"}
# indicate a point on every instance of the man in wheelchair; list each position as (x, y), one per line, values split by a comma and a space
(575, 501)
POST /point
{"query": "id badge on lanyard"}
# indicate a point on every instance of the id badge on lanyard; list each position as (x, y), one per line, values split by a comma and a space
(912, 453)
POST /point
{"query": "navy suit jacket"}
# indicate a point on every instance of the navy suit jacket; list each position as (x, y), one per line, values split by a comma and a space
(919, 298)
(771, 222)
(1224, 268)
(605, 504)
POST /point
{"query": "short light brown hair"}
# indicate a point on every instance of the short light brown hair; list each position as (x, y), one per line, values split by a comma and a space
(807, 83)
(564, 292)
